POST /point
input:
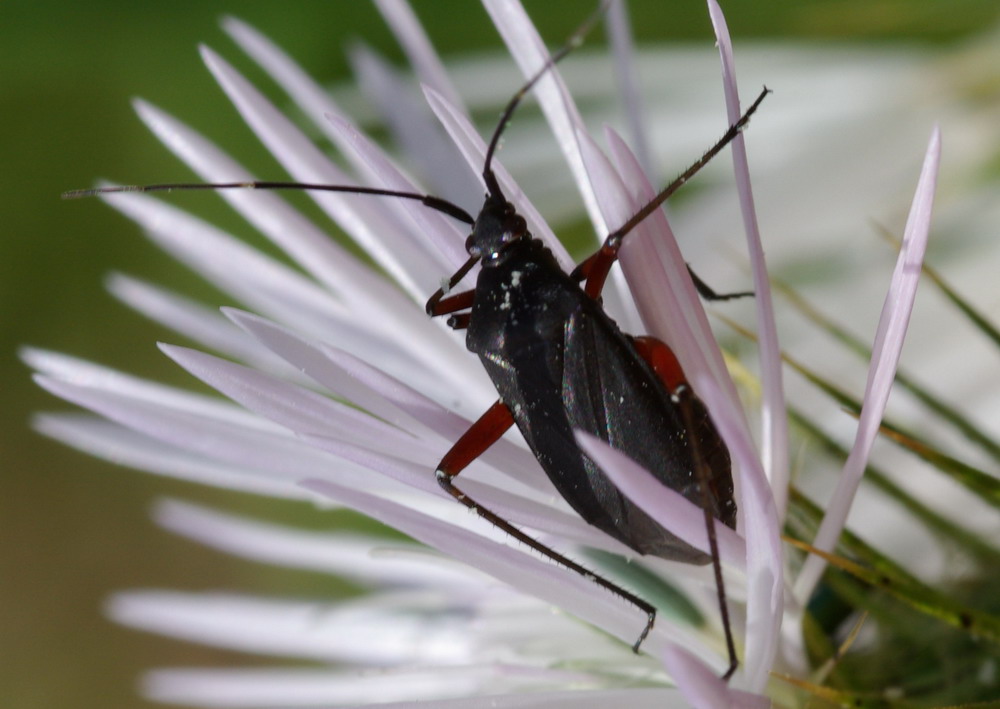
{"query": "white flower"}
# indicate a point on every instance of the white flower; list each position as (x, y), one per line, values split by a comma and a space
(331, 330)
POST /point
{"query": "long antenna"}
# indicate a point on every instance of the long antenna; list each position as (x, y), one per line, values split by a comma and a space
(679, 182)
(574, 41)
(441, 205)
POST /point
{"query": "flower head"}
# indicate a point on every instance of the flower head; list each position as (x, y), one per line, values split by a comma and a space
(342, 390)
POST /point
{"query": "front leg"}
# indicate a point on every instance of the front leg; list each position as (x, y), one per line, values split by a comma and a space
(451, 304)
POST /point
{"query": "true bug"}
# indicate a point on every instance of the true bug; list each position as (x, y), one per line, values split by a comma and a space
(560, 363)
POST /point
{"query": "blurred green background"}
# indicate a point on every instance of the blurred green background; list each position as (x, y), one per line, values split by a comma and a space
(72, 529)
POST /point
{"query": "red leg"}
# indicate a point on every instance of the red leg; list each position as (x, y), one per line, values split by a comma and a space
(595, 268)
(433, 303)
(459, 321)
(486, 431)
(663, 361)
(481, 435)
(451, 304)
(665, 365)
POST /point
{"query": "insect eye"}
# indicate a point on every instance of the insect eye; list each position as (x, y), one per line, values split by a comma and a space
(470, 246)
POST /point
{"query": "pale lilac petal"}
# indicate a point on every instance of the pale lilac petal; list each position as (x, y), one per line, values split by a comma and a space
(313, 99)
(262, 282)
(530, 53)
(765, 561)
(325, 688)
(473, 148)
(446, 235)
(421, 55)
(311, 248)
(548, 516)
(265, 453)
(434, 157)
(644, 698)
(774, 418)
(702, 687)
(363, 217)
(364, 559)
(122, 446)
(363, 630)
(289, 688)
(196, 322)
(296, 408)
(671, 509)
(87, 374)
(347, 376)
(662, 289)
(623, 53)
(398, 403)
(540, 579)
(613, 204)
(893, 322)
(276, 290)
(385, 309)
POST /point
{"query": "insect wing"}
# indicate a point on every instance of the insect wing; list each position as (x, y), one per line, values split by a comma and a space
(609, 391)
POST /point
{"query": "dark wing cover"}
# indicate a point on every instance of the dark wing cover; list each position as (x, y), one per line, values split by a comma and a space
(565, 366)
(609, 391)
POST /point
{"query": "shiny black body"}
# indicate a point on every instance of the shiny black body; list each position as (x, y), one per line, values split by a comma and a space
(560, 363)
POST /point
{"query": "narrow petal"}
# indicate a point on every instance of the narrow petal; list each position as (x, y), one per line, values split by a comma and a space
(645, 698)
(357, 381)
(473, 148)
(623, 52)
(365, 559)
(421, 55)
(893, 322)
(325, 688)
(263, 452)
(401, 252)
(616, 208)
(296, 408)
(401, 105)
(435, 230)
(665, 295)
(87, 374)
(363, 630)
(196, 322)
(765, 561)
(122, 446)
(553, 584)
(671, 509)
(702, 687)
(530, 53)
(774, 419)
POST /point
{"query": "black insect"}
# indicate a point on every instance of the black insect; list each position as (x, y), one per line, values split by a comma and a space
(561, 364)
